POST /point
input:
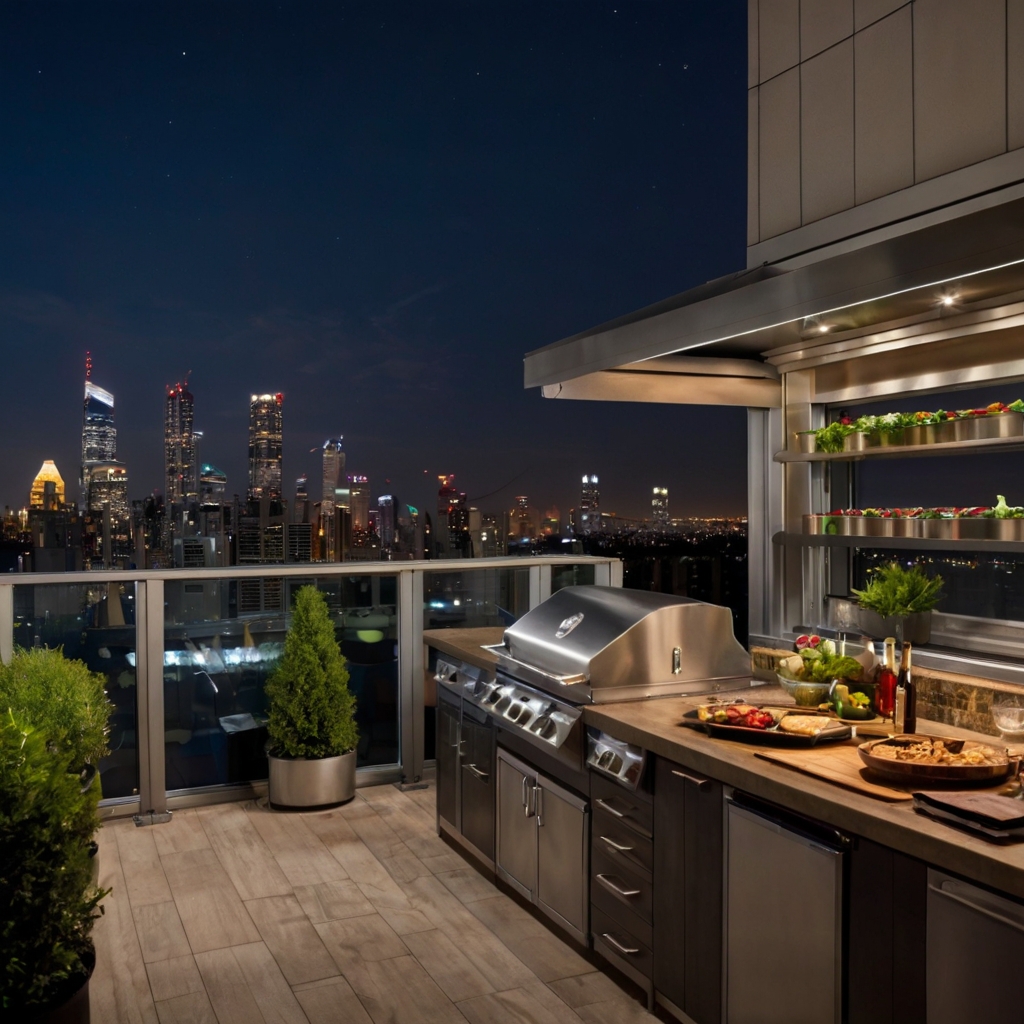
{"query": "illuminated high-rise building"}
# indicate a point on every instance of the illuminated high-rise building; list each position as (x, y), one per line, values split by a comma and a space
(99, 435)
(359, 502)
(300, 511)
(452, 534)
(588, 518)
(213, 485)
(111, 516)
(659, 506)
(179, 446)
(265, 446)
(386, 521)
(42, 496)
(333, 468)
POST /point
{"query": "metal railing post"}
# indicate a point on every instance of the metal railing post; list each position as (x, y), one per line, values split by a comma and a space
(149, 682)
(6, 622)
(410, 674)
(545, 582)
(535, 594)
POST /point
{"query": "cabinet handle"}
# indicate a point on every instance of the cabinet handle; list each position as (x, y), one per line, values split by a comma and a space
(699, 783)
(539, 804)
(612, 941)
(608, 807)
(616, 846)
(609, 884)
(526, 797)
(476, 771)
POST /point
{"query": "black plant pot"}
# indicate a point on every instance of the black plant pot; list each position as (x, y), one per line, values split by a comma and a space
(70, 1004)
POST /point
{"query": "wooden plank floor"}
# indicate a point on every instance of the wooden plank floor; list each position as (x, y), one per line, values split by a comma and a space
(360, 915)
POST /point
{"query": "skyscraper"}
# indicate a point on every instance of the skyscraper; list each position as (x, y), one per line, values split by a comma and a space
(39, 495)
(659, 506)
(179, 446)
(589, 518)
(213, 485)
(99, 435)
(265, 446)
(386, 521)
(333, 470)
(359, 498)
(300, 511)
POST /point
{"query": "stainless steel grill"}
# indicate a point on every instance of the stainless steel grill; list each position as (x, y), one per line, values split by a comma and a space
(594, 644)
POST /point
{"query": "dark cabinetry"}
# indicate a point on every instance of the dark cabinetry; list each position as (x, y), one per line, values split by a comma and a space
(687, 880)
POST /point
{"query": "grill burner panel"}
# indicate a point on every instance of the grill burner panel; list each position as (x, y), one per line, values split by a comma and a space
(523, 709)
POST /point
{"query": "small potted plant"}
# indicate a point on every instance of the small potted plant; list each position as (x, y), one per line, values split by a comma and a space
(48, 901)
(311, 727)
(899, 602)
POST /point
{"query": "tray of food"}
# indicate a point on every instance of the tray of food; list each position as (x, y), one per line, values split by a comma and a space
(783, 727)
(921, 759)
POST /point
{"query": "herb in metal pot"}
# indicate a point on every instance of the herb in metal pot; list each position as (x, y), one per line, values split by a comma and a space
(894, 590)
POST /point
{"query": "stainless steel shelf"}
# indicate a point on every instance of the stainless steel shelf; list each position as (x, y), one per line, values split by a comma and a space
(907, 451)
(809, 540)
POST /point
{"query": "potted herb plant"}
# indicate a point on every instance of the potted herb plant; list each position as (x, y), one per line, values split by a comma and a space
(47, 899)
(311, 727)
(899, 602)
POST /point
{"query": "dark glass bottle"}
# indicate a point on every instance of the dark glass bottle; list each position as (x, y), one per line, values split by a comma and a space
(885, 683)
(908, 693)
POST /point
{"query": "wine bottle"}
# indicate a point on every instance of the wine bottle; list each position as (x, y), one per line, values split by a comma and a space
(905, 682)
(885, 684)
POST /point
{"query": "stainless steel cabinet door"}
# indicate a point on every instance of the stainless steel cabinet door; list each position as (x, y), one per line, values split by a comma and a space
(975, 946)
(447, 762)
(477, 782)
(562, 868)
(783, 923)
(516, 858)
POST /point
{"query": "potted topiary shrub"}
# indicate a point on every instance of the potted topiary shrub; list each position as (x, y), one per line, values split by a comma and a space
(47, 900)
(311, 727)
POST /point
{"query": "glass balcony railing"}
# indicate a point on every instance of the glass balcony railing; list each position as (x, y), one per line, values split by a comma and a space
(186, 655)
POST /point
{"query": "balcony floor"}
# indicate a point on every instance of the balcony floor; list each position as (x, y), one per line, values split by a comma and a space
(234, 913)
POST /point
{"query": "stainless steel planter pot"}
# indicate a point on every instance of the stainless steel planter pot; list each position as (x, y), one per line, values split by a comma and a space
(936, 529)
(858, 442)
(892, 438)
(997, 424)
(972, 528)
(1006, 529)
(870, 526)
(806, 441)
(904, 527)
(917, 435)
(312, 782)
(818, 525)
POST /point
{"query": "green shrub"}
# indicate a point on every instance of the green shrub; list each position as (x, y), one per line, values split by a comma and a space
(311, 709)
(61, 698)
(47, 902)
(893, 590)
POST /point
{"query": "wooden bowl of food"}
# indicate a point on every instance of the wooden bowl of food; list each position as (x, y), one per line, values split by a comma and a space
(915, 759)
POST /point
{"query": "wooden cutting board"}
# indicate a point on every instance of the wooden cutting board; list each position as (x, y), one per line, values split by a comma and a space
(841, 765)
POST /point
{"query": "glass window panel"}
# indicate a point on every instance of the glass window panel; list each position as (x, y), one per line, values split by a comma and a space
(572, 575)
(94, 623)
(480, 597)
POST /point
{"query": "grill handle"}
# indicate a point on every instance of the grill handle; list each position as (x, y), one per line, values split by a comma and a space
(502, 652)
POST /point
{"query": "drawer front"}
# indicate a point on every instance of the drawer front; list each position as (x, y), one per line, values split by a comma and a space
(610, 935)
(621, 843)
(622, 894)
(622, 805)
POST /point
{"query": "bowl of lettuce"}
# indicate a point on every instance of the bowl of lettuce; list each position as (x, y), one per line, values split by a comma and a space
(808, 676)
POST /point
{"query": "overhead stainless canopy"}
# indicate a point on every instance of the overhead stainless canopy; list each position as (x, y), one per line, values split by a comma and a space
(725, 341)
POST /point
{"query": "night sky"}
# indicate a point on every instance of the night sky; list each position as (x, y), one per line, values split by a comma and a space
(377, 209)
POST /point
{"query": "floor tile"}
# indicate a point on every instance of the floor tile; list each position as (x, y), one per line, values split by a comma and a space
(240, 848)
(291, 939)
(332, 1002)
(360, 938)
(301, 855)
(616, 1011)
(513, 1006)
(447, 965)
(184, 832)
(178, 976)
(399, 990)
(193, 1008)
(246, 986)
(160, 932)
(333, 901)
(143, 873)
(587, 988)
(468, 884)
(209, 906)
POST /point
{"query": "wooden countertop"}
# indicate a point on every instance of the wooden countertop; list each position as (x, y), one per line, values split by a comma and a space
(654, 725)
(466, 644)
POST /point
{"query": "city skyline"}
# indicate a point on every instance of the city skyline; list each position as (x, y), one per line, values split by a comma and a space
(274, 208)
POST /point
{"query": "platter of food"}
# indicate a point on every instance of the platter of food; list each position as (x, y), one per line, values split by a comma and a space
(785, 727)
(922, 759)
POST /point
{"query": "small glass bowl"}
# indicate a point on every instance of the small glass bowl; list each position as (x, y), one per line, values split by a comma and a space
(807, 695)
(1009, 719)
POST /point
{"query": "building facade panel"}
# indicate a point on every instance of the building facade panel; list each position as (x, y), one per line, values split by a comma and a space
(959, 84)
(753, 206)
(1014, 74)
(826, 138)
(778, 37)
(823, 23)
(867, 12)
(779, 154)
(884, 107)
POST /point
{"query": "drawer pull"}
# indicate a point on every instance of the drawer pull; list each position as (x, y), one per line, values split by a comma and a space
(617, 847)
(609, 884)
(476, 771)
(608, 807)
(615, 944)
(699, 783)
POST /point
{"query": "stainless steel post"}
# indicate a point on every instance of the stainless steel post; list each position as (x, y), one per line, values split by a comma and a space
(149, 681)
(6, 622)
(410, 674)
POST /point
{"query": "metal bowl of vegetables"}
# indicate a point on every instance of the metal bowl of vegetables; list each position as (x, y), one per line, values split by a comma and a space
(808, 675)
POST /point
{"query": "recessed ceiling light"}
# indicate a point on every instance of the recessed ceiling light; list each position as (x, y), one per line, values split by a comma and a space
(823, 328)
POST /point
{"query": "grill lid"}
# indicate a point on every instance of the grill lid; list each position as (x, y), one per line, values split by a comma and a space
(600, 638)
